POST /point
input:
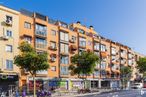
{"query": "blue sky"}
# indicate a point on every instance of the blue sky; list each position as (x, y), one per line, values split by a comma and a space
(123, 21)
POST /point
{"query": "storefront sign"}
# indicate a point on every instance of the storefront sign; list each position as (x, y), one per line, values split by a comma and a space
(8, 77)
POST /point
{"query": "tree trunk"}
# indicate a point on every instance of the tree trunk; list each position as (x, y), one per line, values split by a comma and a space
(34, 86)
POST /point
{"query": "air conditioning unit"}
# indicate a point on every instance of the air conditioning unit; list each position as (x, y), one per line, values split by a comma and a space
(72, 40)
(5, 37)
(53, 47)
(8, 22)
(53, 59)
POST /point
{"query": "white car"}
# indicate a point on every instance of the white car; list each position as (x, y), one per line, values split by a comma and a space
(137, 86)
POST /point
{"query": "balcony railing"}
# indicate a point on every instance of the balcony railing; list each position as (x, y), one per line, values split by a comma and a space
(41, 33)
(39, 45)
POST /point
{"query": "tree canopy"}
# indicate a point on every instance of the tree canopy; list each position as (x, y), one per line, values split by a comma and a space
(142, 65)
(83, 64)
(30, 60)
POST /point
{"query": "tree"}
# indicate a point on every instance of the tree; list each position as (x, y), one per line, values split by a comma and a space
(142, 65)
(83, 64)
(125, 74)
(31, 61)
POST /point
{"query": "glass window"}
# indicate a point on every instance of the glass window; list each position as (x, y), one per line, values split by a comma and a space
(64, 60)
(9, 64)
(81, 50)
(27, 25)
(41, 30)
(89, 42)
(64, 36)
(9, 19)
(9, 33)
(53, 44)
(53, 32)
(96, 46)
(81, 31)
(53, 68)
(113, 50)
(103, 48)
(82, 42)
(96, 73)
(27, 39)
(41, 43)
(64, 70)
(103, 65)
(8, 48)
(64, 48)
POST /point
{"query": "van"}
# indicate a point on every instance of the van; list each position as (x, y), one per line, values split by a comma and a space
(137, 86)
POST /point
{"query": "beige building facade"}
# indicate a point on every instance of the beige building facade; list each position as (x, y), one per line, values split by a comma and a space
(9, 38)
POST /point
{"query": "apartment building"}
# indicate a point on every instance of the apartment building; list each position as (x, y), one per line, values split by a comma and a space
(62, 41)
(9, 36)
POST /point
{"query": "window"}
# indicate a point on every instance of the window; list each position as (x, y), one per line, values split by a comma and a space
(27, 25)
(9, 33)
(64, 36)
(103, 65)
(64, 48)
(53, 44)
(81, 50)
(64, 60)
(41, 43)
(96, 73)
(8, 48)
(73, 39)
(113, 50)
(96, 46)
(53, 68)
(41, 30)
(103, 48)
(89, 42)
(64, 70)
(9, 64)
(27, 39)
(81, 31)
(82, 42)
(53, 32)
(8, 19)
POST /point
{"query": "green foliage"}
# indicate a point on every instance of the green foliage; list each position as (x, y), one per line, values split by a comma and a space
(83, 64)
(142, 65)
(30, 60)
(126, 70)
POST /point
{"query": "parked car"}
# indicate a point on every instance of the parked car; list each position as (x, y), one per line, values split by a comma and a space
(137, 86)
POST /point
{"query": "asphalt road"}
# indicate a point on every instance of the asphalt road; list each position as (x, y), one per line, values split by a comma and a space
(125, 93)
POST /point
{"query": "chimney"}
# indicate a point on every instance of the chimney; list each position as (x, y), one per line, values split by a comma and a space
(91, 27)
(78, 22)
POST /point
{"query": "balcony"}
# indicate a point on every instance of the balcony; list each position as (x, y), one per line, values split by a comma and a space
(123, 61)
(72, 40)
(53, 57)
(43, 72)
(8, 22)
(41, 46)
(103, 54)
(4, 38)
(54, 48)
(64, 53)
(73, 47)
(41, 33)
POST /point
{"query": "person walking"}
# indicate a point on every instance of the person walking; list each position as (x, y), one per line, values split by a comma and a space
(23, 93)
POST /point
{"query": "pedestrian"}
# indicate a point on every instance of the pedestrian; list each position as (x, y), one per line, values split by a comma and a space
(16, 94)
(23, 93)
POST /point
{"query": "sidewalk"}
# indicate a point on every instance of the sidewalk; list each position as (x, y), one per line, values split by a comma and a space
(78, 95)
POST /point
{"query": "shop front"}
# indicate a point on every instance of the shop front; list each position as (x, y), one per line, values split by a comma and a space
(55, 84)
(8, 82)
